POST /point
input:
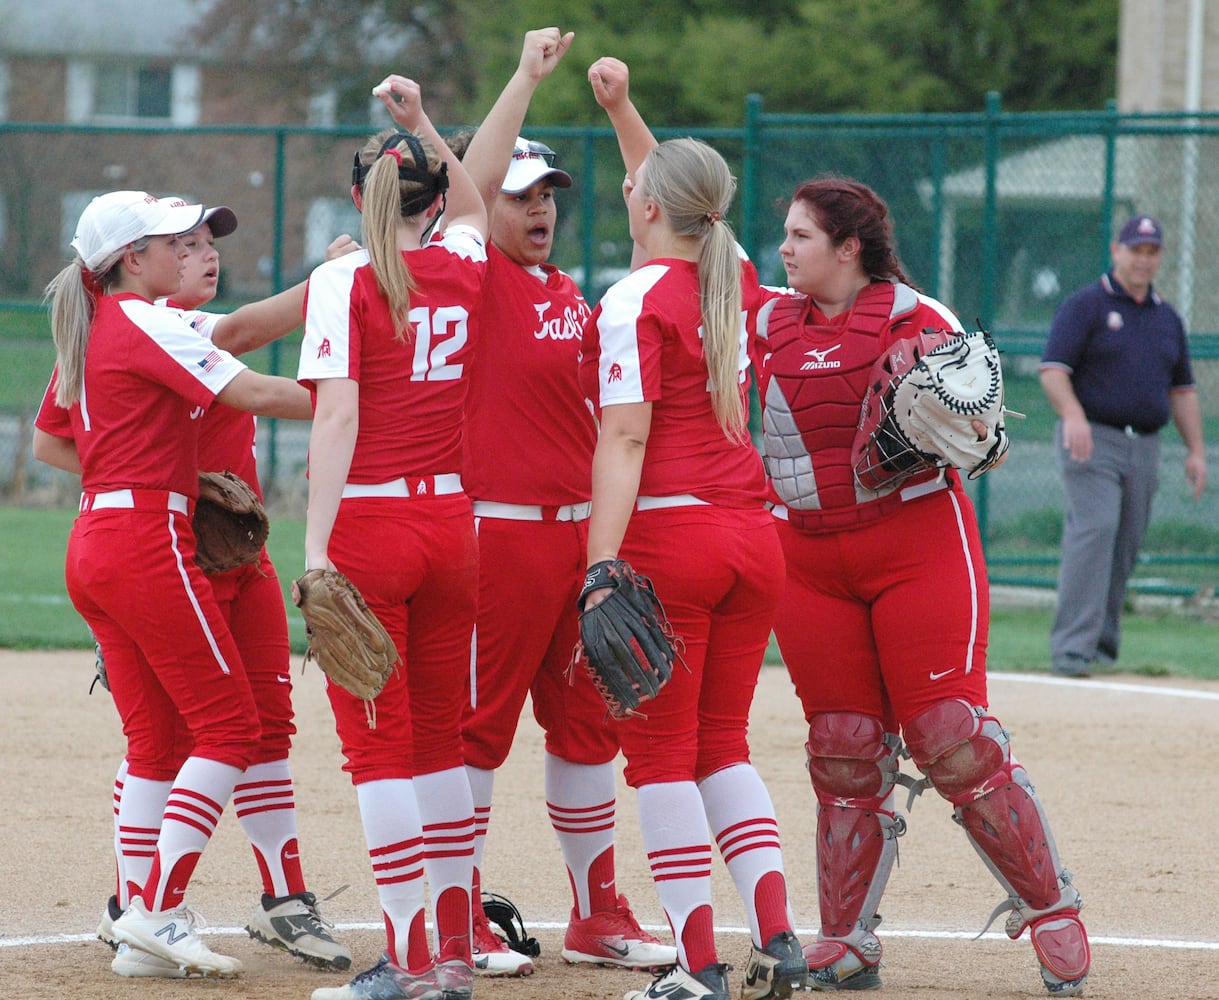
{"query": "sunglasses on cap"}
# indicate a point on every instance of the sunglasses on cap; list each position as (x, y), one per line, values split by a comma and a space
(534, 150)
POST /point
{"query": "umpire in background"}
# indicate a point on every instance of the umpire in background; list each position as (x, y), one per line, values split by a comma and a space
(1116, 368)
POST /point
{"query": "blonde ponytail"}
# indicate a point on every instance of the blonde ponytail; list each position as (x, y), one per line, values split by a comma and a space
(694, 187)
(399, 176)
(72, 295)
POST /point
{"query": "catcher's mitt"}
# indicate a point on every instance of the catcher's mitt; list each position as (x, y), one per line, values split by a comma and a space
(231, 526)
(626, 643)
(923, 417)
(346, 639)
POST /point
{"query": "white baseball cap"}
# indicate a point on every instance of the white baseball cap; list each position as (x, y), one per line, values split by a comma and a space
(532, 161)
(221, 218)
(112, 221)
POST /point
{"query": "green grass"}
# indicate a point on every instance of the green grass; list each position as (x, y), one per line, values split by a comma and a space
(1154, 643)
(35, 612)
(27, 356)
(1170, 644)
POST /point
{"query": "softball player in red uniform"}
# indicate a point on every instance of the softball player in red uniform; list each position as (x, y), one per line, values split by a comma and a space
(529, 449)
(679, 492)
(252, 604)
(388, 338)
(136, 380)
(896, 582)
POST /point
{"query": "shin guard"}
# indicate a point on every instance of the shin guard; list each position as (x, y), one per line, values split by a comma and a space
(965, 754)
(853, 764)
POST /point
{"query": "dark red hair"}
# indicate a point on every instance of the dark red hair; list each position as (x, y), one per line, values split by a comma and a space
(843, 207)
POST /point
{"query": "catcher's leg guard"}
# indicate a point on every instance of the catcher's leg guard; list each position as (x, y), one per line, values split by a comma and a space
(853, 763)
(965, 754)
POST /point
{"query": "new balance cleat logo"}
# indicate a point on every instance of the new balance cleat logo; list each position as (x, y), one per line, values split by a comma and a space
(171, 934)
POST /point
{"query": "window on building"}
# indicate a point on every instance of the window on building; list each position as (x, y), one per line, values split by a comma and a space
(132, 92)
(350, 106)
(111, 92)
(325, 218)
(71, 205)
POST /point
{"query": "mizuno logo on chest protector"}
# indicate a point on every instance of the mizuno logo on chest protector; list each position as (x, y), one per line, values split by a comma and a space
(819, 359)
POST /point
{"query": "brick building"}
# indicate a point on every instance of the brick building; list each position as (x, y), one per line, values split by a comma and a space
(129, 72)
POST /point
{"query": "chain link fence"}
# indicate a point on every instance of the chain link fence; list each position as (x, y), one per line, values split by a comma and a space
(1000, 215)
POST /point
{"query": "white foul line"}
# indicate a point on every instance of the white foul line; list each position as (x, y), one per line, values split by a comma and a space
(1094, 682)
(804, 933)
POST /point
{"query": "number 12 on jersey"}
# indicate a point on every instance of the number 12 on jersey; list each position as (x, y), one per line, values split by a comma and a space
(439, 335)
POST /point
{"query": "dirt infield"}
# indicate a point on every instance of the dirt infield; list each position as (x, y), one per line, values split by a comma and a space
(1124, 767)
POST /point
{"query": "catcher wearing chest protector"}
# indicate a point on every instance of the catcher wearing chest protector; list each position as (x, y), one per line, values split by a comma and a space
(935, 399)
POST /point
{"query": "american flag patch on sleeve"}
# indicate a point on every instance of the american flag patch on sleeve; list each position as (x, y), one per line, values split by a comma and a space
(211, 360)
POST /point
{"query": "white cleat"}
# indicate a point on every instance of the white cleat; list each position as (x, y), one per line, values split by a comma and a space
(293, 924)
(492, 956)
(615, 938)
(136, 964)
(171, 936)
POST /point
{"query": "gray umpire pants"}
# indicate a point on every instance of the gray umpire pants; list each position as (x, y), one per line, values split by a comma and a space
(1108, 507)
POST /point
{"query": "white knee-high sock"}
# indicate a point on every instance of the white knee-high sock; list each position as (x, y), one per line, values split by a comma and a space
(742, 819)
(390, 816)
(120, 776)
(265, 803)
(446, 808)
(581, 800)
(679, 853)
(194, 807)
(139, 808)
(482, 786)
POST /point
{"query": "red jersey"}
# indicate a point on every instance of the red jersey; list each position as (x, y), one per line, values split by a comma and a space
(812, 376)
(52, 417)
(529, 432)
(149, 378)
(643, 343)
(227, 435)
(413, 389)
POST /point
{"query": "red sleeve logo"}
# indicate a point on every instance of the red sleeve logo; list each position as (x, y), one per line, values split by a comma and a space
(615, 372)
(324, 350)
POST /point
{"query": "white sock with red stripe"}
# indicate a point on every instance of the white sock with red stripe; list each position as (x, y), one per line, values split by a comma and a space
(446, 808)
(679, 853)
(581, 801)
(389, 813)
(265, 803)
(742, 820)
(482, 785)
(192, 811)
(120, 890)
(139, 806)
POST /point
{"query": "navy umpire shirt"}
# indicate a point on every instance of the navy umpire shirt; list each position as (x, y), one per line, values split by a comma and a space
(1123, 356)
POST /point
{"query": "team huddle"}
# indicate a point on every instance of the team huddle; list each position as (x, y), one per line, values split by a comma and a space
(474, 421)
